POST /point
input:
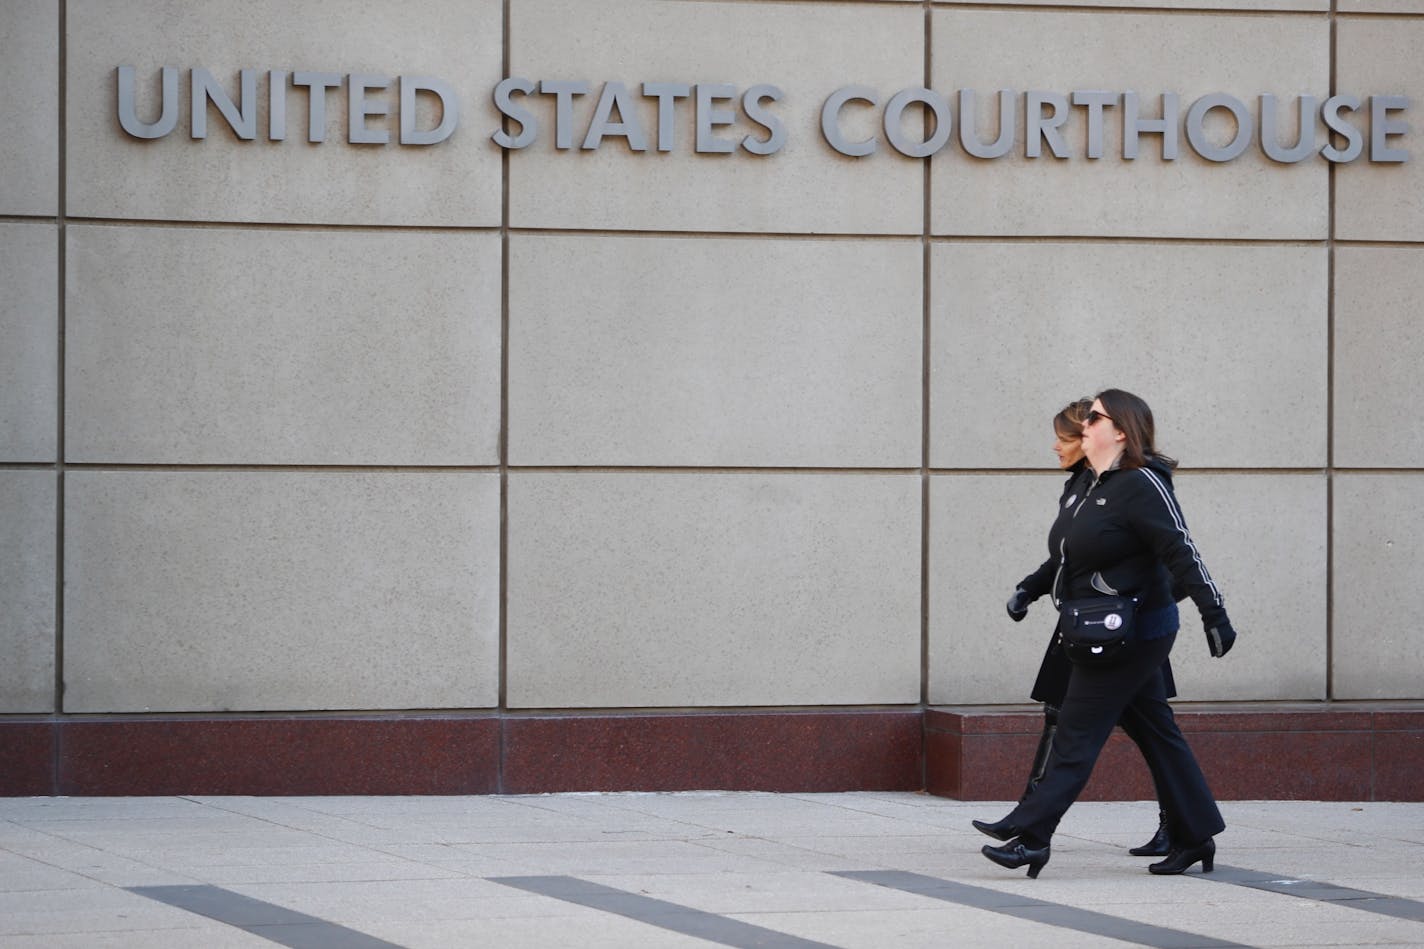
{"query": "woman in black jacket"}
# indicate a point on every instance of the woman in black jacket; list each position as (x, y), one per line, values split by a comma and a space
(1124, 527)
(1052, 680)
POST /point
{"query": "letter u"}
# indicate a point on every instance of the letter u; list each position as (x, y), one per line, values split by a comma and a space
(1304, 145)
(968, 136)
(168, 115)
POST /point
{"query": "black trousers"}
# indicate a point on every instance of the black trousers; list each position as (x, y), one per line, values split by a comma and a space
(1132, 691)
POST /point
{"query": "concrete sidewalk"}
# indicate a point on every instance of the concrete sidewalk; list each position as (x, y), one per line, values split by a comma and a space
(855, 870)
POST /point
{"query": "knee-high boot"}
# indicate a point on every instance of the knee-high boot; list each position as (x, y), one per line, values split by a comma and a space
(1045, 748)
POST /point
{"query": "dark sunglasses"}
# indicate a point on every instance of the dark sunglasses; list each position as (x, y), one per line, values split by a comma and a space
(1093, 418)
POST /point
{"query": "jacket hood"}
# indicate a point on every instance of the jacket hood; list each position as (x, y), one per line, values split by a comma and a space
(1160, 467)
(1154, 462)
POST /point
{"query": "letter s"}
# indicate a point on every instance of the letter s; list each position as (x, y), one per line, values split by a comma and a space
(752, 104)
(1355, 140)
(529, 125)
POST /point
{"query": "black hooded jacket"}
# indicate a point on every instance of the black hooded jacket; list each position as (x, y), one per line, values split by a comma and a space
(1040, 582)
(1122, 529)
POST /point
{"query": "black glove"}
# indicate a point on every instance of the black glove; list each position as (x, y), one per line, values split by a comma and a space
(1220, 638)
(1018, 604)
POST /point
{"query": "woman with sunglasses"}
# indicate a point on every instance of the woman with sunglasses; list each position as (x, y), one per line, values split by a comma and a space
(1124, 526)
(1052, 680)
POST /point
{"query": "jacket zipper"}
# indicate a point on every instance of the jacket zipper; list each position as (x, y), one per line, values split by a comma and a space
(1063, 542)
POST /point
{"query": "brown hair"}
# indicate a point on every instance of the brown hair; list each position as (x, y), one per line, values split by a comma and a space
(1133, 418)
(1068, 423)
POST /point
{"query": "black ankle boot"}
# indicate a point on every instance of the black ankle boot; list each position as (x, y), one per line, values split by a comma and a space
(999, 830)
(1016, 853)
(1161, 843)
(1180, 860)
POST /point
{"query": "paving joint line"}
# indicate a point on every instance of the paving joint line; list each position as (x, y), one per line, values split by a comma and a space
(660, 913)
(1381, 904)
(272, 922)
(1039, 911)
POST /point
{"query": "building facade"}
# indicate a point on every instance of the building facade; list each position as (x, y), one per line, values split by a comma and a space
(459, 396)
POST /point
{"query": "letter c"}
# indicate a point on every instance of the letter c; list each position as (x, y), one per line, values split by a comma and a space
(830, 119)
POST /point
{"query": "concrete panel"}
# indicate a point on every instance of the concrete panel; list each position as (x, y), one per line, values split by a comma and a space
(643, 352)
(1150, 54)
(632, 590)
(29, 354)
(1378, 648)
(1270, 6)
(1227, 343)
(27, 585)
(808, 51)
(985, 533)
(1378, 351)
(223, 178)
(1382, 201)
(219, 591)
(29, 74)
(215, 346)
(1397, 7)
(1262, 537)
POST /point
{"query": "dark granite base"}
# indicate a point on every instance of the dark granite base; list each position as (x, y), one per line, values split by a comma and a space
(764, 751)
(1325, 752)
(273, 756)
(479, 753)
(1340, 751)
(27, 758)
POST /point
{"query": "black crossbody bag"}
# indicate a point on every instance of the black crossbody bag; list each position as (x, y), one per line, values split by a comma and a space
(1096, 630)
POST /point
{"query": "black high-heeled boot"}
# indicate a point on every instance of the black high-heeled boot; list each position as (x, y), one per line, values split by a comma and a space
(1016, 853)
(1039, 767)
(1161, 843)
(1180, 860)
(999, 830)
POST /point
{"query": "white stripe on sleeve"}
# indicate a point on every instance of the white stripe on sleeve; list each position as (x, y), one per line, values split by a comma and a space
(1170, 500)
